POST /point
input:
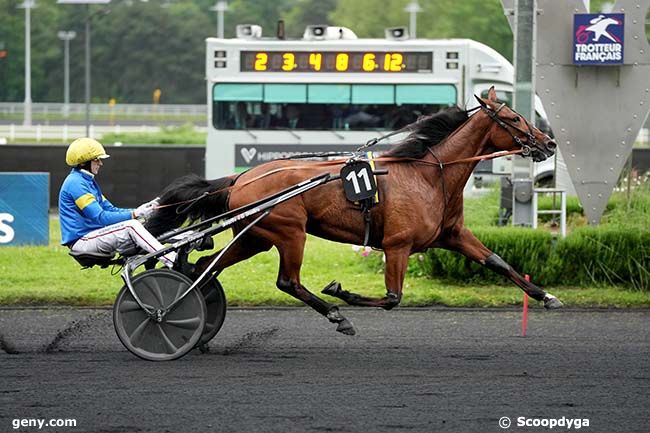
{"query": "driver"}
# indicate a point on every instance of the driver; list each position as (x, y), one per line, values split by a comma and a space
(89, 222)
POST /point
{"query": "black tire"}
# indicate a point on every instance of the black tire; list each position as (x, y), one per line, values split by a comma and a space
(216, 305)
(180, 329)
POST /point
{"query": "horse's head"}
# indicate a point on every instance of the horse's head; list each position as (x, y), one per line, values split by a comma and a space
(512, 131)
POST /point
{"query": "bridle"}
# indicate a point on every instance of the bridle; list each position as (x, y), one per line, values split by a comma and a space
(526, 147)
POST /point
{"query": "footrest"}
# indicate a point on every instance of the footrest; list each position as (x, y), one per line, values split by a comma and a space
(206, 244)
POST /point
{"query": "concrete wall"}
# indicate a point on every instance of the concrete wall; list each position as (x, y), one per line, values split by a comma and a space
(131, 176)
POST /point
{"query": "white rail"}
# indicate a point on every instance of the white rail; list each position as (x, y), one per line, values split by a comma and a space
(64, 133)
(52, 108)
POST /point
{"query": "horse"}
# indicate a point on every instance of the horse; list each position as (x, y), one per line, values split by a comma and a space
(420, 207)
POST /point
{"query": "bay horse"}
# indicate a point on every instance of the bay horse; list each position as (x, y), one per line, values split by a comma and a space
(420, 207)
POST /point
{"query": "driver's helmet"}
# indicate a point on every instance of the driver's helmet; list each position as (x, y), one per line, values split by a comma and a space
(83, 150)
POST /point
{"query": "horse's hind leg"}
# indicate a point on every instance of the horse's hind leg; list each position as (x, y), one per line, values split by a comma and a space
(468, 245)
(291, 254)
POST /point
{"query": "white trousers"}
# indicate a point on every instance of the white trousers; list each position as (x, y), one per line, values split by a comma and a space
(122, 237)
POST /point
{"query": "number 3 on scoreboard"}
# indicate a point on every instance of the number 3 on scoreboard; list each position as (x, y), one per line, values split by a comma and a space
(261, 59)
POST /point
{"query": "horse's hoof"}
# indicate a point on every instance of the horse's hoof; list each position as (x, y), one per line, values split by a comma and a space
(332, 289)
(346, 327)
(552, 303)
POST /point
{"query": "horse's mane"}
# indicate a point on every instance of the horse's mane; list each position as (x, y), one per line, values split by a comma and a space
(429, 131)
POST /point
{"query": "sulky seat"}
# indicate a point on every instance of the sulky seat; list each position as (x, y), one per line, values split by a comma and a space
(88, 260)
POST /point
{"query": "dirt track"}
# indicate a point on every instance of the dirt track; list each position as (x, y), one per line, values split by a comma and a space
(288, 370)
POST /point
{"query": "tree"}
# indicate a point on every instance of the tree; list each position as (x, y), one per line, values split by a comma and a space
(261, 12)
(308, 12)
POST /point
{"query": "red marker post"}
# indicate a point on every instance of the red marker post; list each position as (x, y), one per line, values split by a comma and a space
(524, 317)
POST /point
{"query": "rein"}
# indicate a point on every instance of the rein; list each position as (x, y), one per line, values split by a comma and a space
(524, 150)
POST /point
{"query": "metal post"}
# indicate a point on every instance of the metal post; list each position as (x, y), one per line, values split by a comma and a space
(87, 97)
(28, 5)
(524, 102)
(220, 7)
(66, 37)
(413, 9)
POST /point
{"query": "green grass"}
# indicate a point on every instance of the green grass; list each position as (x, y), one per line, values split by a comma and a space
(184, 134)
(47, 275)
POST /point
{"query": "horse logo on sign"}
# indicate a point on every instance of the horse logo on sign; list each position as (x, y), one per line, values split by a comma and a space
(598, 39)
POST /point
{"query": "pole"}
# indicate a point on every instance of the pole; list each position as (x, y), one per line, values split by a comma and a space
(413, 9)
(524, 102)
(27, 120)
(87, 96)
(66, 78)
(220, 24)
(66, 37)
(220, 7)
(524, 317)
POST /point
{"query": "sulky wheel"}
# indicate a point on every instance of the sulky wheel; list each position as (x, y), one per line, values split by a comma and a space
(177, 331)
(215, 303)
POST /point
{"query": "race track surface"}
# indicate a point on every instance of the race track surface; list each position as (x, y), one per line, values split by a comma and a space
(287, 370)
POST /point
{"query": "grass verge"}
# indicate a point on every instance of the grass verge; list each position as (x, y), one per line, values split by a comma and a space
(47, 275)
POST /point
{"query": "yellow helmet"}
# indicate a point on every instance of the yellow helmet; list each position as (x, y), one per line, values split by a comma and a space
(83, 150)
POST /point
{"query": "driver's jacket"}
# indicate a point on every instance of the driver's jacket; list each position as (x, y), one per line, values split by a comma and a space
(83, 208)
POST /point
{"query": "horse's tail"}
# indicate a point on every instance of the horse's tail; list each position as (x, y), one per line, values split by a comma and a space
(190, 198)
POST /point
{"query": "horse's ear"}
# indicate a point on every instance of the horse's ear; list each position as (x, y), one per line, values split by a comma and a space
(480, 101)
(492, 94)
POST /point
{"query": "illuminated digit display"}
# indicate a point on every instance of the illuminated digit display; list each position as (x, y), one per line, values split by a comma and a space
(336, 61)
(289, 63)
(261, 60)
(315, 61)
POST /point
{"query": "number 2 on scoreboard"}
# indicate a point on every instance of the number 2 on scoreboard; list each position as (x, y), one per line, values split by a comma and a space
(261, 59)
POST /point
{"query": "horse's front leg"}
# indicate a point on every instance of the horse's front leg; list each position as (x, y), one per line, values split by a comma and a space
(291, 248)
(464, 242)
(396, 264)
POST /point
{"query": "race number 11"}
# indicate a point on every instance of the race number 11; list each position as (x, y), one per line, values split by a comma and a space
(358, 181)
(363, 174)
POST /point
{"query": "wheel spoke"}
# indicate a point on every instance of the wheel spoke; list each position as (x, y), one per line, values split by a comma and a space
(179, 291)
(191, 323)
(170, 346)
(154, 288)
(136, 336)
(129, 306)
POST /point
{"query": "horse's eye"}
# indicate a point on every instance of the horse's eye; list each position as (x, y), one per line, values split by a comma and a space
(516, 119)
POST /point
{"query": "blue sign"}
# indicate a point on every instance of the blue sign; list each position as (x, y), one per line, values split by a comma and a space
(598, 39)
(24, 206)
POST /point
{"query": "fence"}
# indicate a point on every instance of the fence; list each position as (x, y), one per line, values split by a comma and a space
(63, 133)
(47, 108)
